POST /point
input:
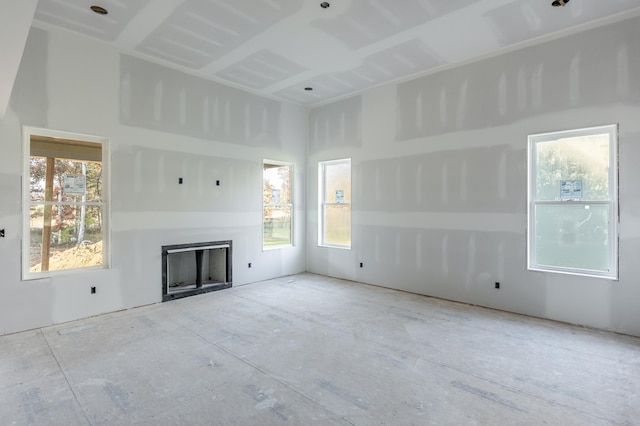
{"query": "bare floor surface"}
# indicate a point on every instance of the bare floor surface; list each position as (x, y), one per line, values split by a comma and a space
(308, 349)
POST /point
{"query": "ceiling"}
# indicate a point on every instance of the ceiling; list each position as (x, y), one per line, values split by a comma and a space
(278, 48)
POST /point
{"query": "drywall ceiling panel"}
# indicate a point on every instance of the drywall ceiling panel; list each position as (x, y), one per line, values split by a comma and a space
(261, 70)
(330, 84)
(77, 16)
(351, 79)
(369, 21)
(199, 32)
(407, 58)
(299, 95)
(519, 21)
(326, 86)
(278, 47)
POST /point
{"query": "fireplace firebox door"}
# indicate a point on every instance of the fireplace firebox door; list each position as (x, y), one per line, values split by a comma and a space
(189, 269)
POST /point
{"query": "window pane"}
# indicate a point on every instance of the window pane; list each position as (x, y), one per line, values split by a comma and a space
(577, 165)
(337, 224)
(572, 236)
(36, 224)
(277, 225)
(337, 182)
(73, 242)
(64, 193)
(72, 180)
(276, 184)
(38, 170)
(277, 207)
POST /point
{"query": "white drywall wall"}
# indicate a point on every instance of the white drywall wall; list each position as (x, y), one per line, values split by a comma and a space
(162, 125)
(15, 21)
(439, 167)
(440, 176)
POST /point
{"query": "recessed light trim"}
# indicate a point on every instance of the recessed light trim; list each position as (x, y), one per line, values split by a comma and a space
(99, 10)
(325, 4)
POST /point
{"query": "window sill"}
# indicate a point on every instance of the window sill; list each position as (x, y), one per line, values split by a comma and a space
(335, 246)
(32, 276)
(278, 247)
(577, 273)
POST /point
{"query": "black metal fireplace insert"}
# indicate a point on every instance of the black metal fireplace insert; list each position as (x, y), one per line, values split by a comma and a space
(189, 269)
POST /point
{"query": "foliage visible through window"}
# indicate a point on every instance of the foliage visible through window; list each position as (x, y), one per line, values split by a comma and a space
(277, 207)
(573, 202)
(334, 178)
(66, 220)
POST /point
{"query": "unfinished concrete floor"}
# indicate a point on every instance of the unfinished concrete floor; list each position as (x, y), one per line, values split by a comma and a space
(308, 349)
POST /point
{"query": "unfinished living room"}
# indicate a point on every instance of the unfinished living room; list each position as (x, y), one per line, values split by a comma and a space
(352, 212)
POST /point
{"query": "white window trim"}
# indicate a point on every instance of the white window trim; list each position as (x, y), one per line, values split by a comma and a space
(612, 202)
(322, 203)
(291, 198)
(27, 132)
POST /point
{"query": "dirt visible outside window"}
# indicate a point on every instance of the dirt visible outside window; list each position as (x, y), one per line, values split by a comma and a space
(76, 257)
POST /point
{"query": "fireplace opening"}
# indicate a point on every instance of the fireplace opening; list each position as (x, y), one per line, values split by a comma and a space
(189, 269)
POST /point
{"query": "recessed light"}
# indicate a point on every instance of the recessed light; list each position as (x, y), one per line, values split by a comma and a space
(325, 4)
(99, 10)
(308, 89)
(558, 3)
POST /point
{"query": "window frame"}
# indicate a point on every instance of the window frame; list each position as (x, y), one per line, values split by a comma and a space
(27, 133)
(612, 202)
(322, 203)
(290, 204)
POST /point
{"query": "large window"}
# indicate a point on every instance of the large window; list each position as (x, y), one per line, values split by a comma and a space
(573, 211)
(334, 189)
(65, 214)
(277, 208)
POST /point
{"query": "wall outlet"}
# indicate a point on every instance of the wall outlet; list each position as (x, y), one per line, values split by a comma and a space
(361, 264)
(497, 285)
(93, 290)
(1, 233)
(249, 265)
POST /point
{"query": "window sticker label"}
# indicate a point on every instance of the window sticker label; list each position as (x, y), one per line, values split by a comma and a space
(340, 196)
(571, 189)
(75, 184)
(275, 196)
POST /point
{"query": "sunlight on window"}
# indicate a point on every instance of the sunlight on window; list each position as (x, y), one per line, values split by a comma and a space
(573, 202)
